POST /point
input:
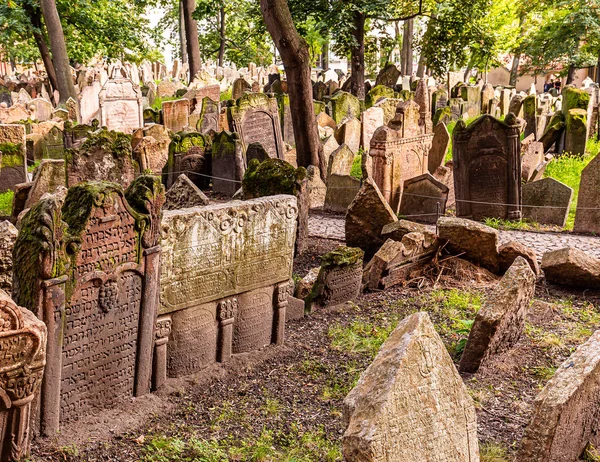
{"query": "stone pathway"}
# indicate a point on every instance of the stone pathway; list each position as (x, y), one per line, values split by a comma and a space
(332, 227)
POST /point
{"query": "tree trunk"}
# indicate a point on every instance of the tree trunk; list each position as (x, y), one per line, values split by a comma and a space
(407, 47)
(514, 71)
(325, 55)
(182, 40)
(296, 62)
(357, 84)
(222, 36)
(66, 88)
(35, 17)
(191, 37)
(571, 74)
(421, 67)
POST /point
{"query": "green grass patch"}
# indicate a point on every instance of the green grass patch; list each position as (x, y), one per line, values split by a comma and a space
(356, 170)
(361, 336)
(294, 445)
(6, 200)
(493, 452)
(226, 95)
(157, 104)
(512, 225)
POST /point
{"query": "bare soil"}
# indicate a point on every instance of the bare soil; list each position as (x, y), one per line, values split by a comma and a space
(299, 387)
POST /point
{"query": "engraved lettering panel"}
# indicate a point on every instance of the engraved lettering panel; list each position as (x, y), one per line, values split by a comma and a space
(100, 344)
(488, 183)
(110, 239)
(15, 348)
(342, 284)
(253, 325)
(217, 251)
(258, 127)
(193, 342)
(123, 116)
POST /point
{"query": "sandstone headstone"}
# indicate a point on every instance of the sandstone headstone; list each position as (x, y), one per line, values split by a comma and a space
(368, 213)
(587, 217)
(388, 76)
(423, 199)
(487, 168)
(50, 175)
(184, 194)
(341, 191)
(121, 107)
(176, 114)
(188, 153)
(209, 116)
(339, 278)
(225, 279)
(372, 119)
(151, 154)
(316, 187)
(228, 163)
(349, 133)
(8, 236)
(500, 321)
(439, 147)
(564, 420)
(410, 404)
(547, 201)
(13, 156)
(340, 161)
(532, 155)
(343, 106)
(23, 345)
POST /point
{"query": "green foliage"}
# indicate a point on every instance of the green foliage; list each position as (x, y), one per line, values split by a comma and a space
(513, 225)
(493, 452)
(362, 336)
(356, 170)
(6, 200)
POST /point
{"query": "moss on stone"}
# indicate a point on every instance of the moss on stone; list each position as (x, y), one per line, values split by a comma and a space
(271, 177)
(407, 95)
(441, 114)
(319, 107)
(119, 144)
(574, 98)
(377, 92)
(342, 256)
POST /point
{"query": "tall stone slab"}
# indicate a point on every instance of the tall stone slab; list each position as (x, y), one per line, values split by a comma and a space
(397, 159)
(228, 163)
(255, 117)
(372, 119)
(410, 404)
(487, 168)
(423, 99)
(529, 114)
(501, 320)
(225, 279)
(209, 116)
(121, 106)
(23, 345)
(587, 216)
(343, 106)
(13, 156)
(564, 420)
(439, 147)
(176, 114)
(90, 270)
(188, 153)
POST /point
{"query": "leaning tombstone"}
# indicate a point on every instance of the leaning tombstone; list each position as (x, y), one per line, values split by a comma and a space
(410, 404)
(94, 259)
(225, 281)
(547, 201)
(501, 320)
(487, 168)
(439, 147)
(564, 421)
(587, 216)
(341, 191)
(424, 199)
(23, 345)
(184, 194)
(339, 278)
(228, 163)
(49, 176)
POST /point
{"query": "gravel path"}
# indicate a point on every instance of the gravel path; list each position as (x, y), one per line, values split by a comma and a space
(330, 226)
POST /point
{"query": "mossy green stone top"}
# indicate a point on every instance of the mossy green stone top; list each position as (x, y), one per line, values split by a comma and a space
(271, 177)
(342, 256)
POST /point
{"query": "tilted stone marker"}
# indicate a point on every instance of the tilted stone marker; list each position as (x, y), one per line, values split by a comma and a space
(587, 216)
(228, 163)
(49, 176)
(410, 404)
(339, 278)
(532, 155)
(547, 201)
(90, 270)
(439, 147)
(565, 413)
(501, 320)
(341, 191)
(23, 346)
(184, 194)
(225, 279)
(423, 199)
(571, 267)
(487, 168)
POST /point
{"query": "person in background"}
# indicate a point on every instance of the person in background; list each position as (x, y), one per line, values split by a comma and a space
(548, 84)
(557, 85)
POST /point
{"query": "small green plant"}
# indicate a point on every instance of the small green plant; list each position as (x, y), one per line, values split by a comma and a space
(493, 452)
(356, 170)
(6, 200)
(591, 454)
(462, 328)
(512, 225)
(361, 336)
(544, 373)
(226, 95)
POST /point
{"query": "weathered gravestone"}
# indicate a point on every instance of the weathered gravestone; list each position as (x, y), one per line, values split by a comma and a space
(423, 199)
(151, 154)
(209, 116)
(8, 236)
(23, 346)
(225, 280)
(285, 114)
(372, 119)
(349, 133)
(90, 271)
(54, 147)
(188, 153)
(501, 320)
(439, 147)
(43, 109)
(103, 156)
(587, 216)
(121, 107)
(228, 163)
(184, 194)
(564, 422)
(487, 168)
(49, 176)
(240, 87)
(176, 114)
(339, 278)
(343, 106)
(13, 163)
(571, 267)
(75, 135)
(341, 191)
(532, 155)
(397, 159)
(410, 404)
(368, 213)
(340, 161)
(529, 114)
(255, 117)
(388, 76)
(547, 201)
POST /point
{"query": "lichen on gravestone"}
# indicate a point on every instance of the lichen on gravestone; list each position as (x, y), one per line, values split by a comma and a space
(272, 177)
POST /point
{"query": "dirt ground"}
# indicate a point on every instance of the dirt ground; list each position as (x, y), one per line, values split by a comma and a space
(286, 402)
